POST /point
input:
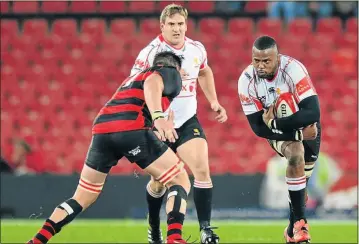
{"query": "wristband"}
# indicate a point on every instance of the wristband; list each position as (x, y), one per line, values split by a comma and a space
(158, 114)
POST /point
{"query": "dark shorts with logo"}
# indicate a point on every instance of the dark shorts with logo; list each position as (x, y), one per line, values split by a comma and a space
(189, 130)
(139, 146)
(311, 148)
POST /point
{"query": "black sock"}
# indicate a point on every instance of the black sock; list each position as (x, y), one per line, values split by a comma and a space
(202, 194)
(296, 188)
(154, 202)
(175, 221)
(291, 221)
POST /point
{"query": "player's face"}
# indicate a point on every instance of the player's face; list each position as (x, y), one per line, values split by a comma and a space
(174, 29)
(265, 62)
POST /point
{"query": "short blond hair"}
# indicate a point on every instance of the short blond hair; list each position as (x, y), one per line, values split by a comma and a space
(172, 9)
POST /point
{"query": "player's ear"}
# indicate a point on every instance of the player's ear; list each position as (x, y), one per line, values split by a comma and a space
(161, 26)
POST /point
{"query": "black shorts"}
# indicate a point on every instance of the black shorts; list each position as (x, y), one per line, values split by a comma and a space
(139, 146)
(311, 148)
(189, 130)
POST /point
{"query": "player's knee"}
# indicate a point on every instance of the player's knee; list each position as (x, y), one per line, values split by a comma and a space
(200, 171)
(181, 179)
(295, 160)
(156, 186)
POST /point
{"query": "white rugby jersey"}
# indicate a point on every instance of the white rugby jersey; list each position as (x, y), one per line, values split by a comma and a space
(194, 58)
(256, 94)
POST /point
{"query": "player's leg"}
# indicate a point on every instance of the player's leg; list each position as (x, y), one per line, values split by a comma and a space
(93, 175)
(162, 163)
(193, 150)
(296, 181)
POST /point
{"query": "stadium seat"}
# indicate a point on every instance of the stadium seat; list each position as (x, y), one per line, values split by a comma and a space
(162, 4)
(240, 26)
(141, 7)
(330, 26)
(150, 26)
(25, 6)
(212, 26)
(64, 27)
(83, 6)
(37, 27)
(9, 28)
(272, 27)
(352, 25)
(200, 6)
(255, 7)
(93, 27)
(301, 27)
(4, 7)
(112, 6)
(123, 27)
(54, 6)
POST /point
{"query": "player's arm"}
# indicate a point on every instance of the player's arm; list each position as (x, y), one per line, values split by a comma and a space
(206, 81)
(306, 97)
(253, 109)
(308, 114)
(260, 129)
(153, 88)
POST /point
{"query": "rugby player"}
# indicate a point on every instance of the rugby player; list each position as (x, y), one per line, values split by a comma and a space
(191, 146)
(296, 137)
(123, 128)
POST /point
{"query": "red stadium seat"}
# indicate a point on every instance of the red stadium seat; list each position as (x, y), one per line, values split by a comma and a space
(112, 6)
(4, 7)
(352, 25)
(123, 27)
(141, 7)
(255, 7)
(83, 6)
(240, 26)
(212, 26)
(25, 6)
(64, 27)
(162, 4)
(35, 27)
(150, 26)
(93, 27)
(9, 28)
(348, 40)
(330, 26)
(54, 6)
(300, 27)
(272, 27)
(200, 7)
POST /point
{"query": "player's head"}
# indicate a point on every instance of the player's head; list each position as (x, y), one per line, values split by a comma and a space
(265, 57)
(167, 58)
(173, 23)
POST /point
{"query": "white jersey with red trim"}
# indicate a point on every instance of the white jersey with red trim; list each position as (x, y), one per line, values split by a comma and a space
(194, 58)
(256, 94)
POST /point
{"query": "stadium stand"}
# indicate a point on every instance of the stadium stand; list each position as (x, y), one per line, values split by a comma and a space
(56, 75)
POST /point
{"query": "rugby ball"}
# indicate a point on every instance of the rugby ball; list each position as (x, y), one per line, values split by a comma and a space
(285, 105)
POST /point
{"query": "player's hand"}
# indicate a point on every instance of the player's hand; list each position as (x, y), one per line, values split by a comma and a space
(268, 115)
(222, 114)
(165, 128)
(310, 132)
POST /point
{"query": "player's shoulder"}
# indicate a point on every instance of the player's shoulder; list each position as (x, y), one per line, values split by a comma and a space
(152, 45)
(291, 64)
(195, 43)
(247, 74)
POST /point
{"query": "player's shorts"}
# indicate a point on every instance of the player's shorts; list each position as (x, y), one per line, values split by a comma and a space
(139, 146)
(189, 130)
(311, 148)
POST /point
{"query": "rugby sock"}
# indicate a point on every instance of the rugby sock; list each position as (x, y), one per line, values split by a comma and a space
(154, 202)
(45, 233)
(202, 195)
(296, 188)
(50, 228)
(174, 225)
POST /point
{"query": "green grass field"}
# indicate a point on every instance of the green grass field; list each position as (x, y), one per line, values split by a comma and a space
(129, 231)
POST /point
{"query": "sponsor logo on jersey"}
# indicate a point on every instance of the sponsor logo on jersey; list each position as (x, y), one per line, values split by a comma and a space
(303, 86)
(247, 75)
(245, 100)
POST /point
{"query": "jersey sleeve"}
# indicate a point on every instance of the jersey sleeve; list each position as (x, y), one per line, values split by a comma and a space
(171, 80)
(250, 102)
(144, 59)
(303, 86)
(204, 59)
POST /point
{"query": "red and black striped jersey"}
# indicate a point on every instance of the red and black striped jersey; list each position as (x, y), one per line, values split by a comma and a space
(127, 109)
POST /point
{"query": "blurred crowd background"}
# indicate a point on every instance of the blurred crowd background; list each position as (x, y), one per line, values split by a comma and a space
(62, 60)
